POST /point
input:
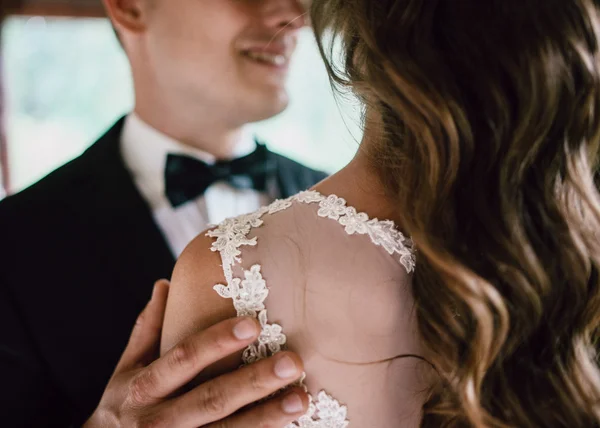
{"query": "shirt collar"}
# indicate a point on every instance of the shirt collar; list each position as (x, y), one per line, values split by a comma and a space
(145, 149)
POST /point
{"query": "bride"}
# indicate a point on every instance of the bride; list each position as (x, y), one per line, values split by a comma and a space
(449, 275)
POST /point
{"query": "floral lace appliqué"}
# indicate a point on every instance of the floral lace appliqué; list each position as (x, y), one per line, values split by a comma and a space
(249, 294)
(325, 412)
(332, 207)
(382, 232)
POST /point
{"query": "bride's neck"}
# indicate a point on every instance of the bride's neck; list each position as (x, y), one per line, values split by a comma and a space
(360, 184)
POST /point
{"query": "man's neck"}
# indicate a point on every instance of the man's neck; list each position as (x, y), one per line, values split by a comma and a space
(182, 116)
(213, 138)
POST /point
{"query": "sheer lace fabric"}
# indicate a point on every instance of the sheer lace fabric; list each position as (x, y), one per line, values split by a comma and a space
(334, 286)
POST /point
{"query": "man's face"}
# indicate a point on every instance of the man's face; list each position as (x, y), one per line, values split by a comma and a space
(232, 54)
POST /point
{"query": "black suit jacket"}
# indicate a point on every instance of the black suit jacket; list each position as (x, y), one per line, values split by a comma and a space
(79, 255)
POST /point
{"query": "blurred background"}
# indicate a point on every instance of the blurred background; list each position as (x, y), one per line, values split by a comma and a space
(66, 80)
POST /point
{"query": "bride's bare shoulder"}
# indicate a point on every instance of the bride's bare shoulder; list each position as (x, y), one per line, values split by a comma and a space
(193, 305)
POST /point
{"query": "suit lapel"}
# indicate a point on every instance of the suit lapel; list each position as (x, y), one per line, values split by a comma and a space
(293, 177)
(136, 251)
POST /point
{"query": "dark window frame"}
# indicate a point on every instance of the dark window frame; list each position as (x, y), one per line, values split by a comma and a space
(67, 8)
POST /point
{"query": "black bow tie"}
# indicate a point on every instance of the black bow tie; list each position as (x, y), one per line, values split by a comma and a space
(186, 178)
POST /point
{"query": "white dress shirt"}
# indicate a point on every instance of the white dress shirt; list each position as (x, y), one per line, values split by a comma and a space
(145, 150)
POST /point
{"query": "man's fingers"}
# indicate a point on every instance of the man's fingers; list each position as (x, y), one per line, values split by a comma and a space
(145, 337)
(184, 361)
(277, 412)
(221, 397)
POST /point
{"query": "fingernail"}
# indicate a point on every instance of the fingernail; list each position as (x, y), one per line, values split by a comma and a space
(244, 330)
(285, 368)
(292, 404)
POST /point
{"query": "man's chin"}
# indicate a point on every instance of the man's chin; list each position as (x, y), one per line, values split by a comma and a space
(271, 108)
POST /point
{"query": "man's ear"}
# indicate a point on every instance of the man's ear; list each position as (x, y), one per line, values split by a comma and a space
(126, 15)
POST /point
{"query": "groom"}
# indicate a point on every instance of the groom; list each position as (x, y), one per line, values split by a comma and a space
(82, 247)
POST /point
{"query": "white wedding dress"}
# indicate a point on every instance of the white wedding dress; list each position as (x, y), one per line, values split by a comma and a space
(334, 286)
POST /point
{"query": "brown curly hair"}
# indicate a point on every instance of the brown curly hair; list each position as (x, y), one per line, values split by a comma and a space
(490, 118)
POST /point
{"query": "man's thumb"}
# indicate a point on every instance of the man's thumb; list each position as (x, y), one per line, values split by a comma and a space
(144, 341)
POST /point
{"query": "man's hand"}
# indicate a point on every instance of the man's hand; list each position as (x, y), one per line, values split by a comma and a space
(142, 391)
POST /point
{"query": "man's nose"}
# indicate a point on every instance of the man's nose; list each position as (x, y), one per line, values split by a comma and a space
(285, 14)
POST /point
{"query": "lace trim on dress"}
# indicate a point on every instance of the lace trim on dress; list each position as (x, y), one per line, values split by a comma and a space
(249, 294)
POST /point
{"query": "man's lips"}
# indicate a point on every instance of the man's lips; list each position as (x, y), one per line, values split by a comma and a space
(274, 53)
(270, 58)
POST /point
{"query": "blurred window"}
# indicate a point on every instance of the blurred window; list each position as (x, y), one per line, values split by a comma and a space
(67, 80)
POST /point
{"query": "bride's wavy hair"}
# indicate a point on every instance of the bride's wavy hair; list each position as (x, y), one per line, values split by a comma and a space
(488, 116)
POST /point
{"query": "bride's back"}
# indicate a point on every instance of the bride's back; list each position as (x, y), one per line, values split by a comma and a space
(344, 303)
